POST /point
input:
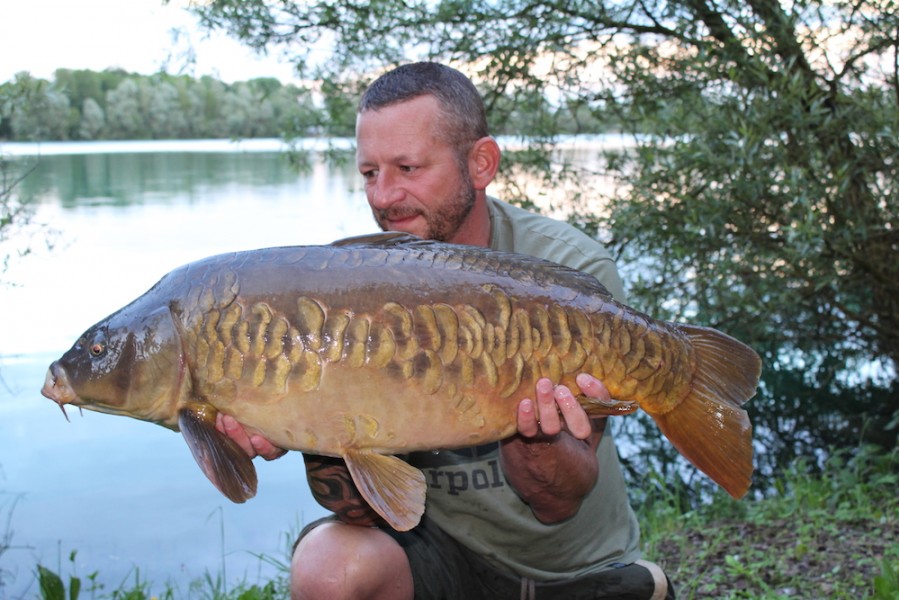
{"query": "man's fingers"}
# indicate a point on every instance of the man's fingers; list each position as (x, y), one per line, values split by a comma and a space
(527, 418)
(234, 430)
(593, 387)
(547, 411)
(254, 445)
(576, 420)
(266, 449)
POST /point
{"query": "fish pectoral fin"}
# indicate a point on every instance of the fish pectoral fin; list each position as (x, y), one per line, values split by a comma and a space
(392, 487)
(224, 462)
(597, 407)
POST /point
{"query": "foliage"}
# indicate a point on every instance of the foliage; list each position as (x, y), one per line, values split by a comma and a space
(20, 235)
(12, 212)
(835, 535)
(53, 587)
(16, 211)
(114, 104)
(886, 585)
(761, 197)
(7, 507)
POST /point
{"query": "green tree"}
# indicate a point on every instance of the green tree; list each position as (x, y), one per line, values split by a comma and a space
(761, 197)
(81, 84)
(125, 111)
(40, 111)
(339, 99)
(165, 110)
(92, 121)
(87, 105)
(247, 111)
(206, 110)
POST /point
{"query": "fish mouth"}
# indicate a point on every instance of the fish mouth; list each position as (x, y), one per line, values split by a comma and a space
(57, 387)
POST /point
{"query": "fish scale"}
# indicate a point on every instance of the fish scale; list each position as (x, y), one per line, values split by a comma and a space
(268, 347)
(388, 344)
(534, 332)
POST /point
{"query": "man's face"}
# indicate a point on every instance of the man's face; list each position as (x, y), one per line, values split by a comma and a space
(413, 180)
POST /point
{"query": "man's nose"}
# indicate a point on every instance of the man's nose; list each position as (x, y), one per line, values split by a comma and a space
(384, 192)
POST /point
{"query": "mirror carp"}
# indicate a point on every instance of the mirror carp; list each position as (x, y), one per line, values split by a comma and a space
(386, 344)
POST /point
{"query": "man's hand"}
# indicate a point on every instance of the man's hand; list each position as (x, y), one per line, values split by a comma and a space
(556, 409)
(253, 445)
(552, 462)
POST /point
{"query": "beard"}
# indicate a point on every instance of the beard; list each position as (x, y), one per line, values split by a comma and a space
(441, 223)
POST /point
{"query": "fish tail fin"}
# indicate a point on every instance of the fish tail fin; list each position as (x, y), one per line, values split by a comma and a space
(708, 427)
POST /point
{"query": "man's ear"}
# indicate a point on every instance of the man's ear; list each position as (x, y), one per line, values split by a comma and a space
(483, 162)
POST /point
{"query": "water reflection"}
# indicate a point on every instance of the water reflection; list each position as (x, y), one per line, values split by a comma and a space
(135, 178)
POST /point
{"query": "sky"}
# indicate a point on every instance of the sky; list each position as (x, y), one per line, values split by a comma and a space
(40, 36)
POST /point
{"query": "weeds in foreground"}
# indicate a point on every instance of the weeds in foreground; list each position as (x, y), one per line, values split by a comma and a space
(210, 587)
(7, 508)
(886, 585)
(833, 535)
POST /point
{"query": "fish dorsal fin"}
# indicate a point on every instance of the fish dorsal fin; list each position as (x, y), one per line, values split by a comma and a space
(224, 462)
(538, 269)
(391, 486)
(384, 238)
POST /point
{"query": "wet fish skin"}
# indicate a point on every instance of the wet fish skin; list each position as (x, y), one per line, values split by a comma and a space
(387, 344)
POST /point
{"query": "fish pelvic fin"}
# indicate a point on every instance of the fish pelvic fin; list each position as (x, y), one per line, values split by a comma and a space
(392, 487)
(708, 427)
(223, 462)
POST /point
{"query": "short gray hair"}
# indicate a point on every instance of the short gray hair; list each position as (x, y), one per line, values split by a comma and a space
(464, 119)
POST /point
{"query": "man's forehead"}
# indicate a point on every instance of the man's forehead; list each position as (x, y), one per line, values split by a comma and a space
(397, 136)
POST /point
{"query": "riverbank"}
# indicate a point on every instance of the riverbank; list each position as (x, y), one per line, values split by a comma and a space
(834, 535)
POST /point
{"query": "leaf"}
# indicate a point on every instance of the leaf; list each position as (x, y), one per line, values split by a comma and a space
(51, 585)
(74, 588)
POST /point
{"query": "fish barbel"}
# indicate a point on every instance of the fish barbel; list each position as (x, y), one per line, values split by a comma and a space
(386, 344)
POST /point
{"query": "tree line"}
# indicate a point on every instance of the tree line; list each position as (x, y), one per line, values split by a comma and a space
(117, 105)
(83, 105)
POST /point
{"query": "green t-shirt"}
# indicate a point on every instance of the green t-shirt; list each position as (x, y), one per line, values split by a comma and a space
(513, 229)
(468, 496)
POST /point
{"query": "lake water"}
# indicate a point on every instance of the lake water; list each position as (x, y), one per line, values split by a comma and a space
(126, 496)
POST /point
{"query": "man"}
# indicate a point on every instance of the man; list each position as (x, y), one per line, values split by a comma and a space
(543, 514)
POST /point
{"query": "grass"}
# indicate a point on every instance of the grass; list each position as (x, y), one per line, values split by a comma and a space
(831, 535)
(52, 586)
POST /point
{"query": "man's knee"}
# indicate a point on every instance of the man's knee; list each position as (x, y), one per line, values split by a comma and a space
(335, 560)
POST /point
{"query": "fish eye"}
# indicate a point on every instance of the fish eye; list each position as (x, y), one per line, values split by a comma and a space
(97, 345)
